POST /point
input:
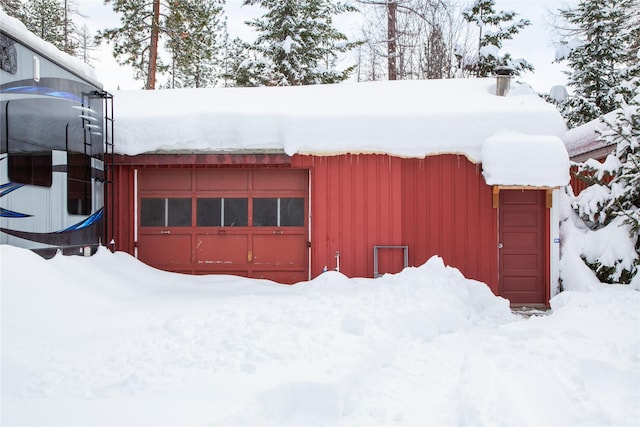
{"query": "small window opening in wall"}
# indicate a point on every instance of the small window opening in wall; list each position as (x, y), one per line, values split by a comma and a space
(165, 212)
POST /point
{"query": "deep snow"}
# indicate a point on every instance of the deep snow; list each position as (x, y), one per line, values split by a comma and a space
(107, 340)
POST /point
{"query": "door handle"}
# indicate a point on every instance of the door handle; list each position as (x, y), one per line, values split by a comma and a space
(165, 231)
(500, 246)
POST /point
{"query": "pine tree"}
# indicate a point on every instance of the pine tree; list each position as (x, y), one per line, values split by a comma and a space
(242, 68)
(194, 28)
(601, 55)
(132, 41)
(494, 29)
(189, 29)
(13, 8)
(46, 19)
(51, 20)
(297, 43)
(614, 192)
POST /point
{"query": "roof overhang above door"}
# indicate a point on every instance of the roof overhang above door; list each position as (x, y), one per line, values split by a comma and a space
(496, 193)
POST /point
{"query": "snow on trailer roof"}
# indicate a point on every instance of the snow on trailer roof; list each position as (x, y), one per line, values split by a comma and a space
(16, 29)
(400, 118)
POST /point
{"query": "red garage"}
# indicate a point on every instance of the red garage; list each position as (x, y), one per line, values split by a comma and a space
(280, 183)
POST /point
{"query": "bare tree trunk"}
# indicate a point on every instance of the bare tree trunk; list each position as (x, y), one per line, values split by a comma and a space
(153, 49)
(392, 38)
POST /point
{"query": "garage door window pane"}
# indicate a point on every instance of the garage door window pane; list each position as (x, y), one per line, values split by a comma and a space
(152, 213)
(278, 212)
(292, 212)
(265, 212)
(179, 212)
(209, 212)
(165, 212)
(235, 212)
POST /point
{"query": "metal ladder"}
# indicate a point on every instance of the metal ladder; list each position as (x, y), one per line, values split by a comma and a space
(109, 156)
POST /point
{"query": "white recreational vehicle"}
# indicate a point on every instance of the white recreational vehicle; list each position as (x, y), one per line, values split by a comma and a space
(55, 135)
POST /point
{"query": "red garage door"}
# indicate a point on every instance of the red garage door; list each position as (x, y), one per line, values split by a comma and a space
(248, 222)
(522, 246)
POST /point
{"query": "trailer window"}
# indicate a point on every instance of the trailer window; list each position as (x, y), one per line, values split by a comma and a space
(78, 184)
(79, 188)
(30, 139)
(30, 167)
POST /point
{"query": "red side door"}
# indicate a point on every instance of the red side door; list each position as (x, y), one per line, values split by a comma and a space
(522, 253)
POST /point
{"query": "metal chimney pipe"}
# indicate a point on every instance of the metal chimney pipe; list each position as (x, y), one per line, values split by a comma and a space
(503, 79)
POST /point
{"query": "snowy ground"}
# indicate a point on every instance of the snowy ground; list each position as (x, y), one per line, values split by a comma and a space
(107, 340)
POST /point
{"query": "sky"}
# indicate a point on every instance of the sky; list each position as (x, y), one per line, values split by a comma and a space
(533, 42)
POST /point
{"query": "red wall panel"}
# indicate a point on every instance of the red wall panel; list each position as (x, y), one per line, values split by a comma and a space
(123, 228)
(355, 204)
(439, 205)
(448, 212)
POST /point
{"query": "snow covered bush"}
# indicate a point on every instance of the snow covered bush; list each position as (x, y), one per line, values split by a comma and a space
(613, 198)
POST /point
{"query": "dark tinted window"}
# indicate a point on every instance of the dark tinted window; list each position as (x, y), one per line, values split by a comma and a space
(179, 212)
(235, 212)
(78, 184)
(278, 212)
(265, 212)
(292, 212)
(152, 212)
(30, 167)
(165, 212)
(222, 212)
(209, 212)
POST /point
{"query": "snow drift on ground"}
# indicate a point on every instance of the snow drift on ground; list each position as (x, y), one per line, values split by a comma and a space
(107, 340)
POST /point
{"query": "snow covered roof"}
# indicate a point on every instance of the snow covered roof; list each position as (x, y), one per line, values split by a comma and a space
(400, 118)
(16, 29)
(582, 142)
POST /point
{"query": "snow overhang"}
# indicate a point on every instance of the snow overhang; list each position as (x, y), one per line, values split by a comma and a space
(516, 159)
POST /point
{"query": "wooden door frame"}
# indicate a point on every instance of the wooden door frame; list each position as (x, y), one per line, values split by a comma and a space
(546, 222)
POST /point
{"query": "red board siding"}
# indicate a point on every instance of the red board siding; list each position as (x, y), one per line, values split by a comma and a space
(439, 205)
(448, 212)
(355, 204)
